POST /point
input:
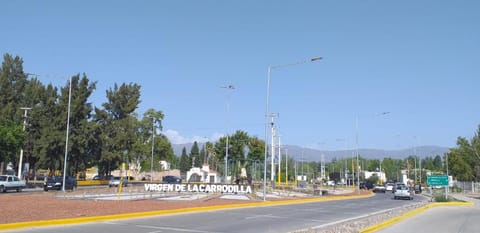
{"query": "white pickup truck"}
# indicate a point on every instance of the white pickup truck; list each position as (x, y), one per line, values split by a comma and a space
(8, 182)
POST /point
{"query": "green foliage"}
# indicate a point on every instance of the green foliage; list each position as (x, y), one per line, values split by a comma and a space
(440, 198)
(195, 155)
(11, 139)
(185, 163)
(243, 151)
(464, 161)
(103, 137)
(372, 179)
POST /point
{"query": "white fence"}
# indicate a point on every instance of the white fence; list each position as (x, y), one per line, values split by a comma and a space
(468, 186)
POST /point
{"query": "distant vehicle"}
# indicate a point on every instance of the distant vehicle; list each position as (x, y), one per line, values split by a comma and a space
(366, 185)
(97, 177)
(329, 183)
(115, 181)
(389, 187)
(418, 188)
(56, 183)
(396, 186)
(171, 180)
(403, 192)
(9, 182)
(378, 188)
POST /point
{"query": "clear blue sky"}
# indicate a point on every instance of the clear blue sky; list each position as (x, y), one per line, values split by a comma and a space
(418, 60)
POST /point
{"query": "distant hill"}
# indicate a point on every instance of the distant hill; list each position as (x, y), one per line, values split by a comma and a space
(308, 154)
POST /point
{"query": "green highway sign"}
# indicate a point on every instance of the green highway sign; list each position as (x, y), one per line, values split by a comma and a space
(440, 180)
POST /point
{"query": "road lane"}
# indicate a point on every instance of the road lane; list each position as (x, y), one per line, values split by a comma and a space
(283, 218)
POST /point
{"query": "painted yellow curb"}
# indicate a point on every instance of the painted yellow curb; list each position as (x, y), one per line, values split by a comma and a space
(412, 213)
(10, 226)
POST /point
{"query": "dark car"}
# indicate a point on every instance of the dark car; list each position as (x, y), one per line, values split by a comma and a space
(366, 185)
(56, 183)
(172, 180)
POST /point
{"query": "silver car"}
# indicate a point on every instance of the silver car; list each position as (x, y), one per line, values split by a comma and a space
(403, 192)
(115, 181)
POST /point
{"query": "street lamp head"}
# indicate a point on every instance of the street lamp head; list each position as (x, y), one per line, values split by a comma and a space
(231, 87)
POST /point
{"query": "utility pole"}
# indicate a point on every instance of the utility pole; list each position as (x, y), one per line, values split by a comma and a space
(20, 162)
(272, 124)
(415, 160)
(286, 166)
(229, 87)
(279, 159)
(322, 167)
(153, 147)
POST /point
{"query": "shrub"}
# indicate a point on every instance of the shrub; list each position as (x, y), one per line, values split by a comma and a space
(440, 198)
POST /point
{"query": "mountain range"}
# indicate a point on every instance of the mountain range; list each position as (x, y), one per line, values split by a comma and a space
(309, 154)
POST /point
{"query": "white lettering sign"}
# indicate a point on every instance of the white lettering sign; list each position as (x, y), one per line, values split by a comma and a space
(203, 188)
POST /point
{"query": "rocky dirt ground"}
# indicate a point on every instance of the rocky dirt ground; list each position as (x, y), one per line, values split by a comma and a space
(44, 206)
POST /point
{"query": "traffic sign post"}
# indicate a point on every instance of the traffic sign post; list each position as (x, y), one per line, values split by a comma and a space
(437, 180)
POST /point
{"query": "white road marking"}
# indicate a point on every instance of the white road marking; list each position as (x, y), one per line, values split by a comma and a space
(160, 228)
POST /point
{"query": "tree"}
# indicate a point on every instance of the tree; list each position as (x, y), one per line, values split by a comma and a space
(11, 140)
(437, 163)
(392, 168)
(195, 155)
(12, 85)
(243, 151)
(12, 88)
(117, 122)
(185, 162)
(49, 129)
(82, 143)
(147, 130)
(373, 179)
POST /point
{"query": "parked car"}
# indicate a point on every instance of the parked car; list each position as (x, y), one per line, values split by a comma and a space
(8, 182)
(56, 183)
(379, 188)
(115, 181)
(403, 192)
(171, 180)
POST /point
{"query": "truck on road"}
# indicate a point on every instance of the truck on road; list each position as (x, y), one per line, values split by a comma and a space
(8, 182)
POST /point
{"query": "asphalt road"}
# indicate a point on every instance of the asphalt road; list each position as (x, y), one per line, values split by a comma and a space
(285, 218)
(441, 219)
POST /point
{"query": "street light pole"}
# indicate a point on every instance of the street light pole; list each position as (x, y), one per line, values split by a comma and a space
(66, 137)
(153, 147)
(20, 162)
(267, 111)
(356, 152)
(229, 87)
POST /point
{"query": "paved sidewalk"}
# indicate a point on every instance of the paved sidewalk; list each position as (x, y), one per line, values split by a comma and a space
(442, 219)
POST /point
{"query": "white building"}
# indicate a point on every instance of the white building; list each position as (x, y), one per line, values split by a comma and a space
(203, 174)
